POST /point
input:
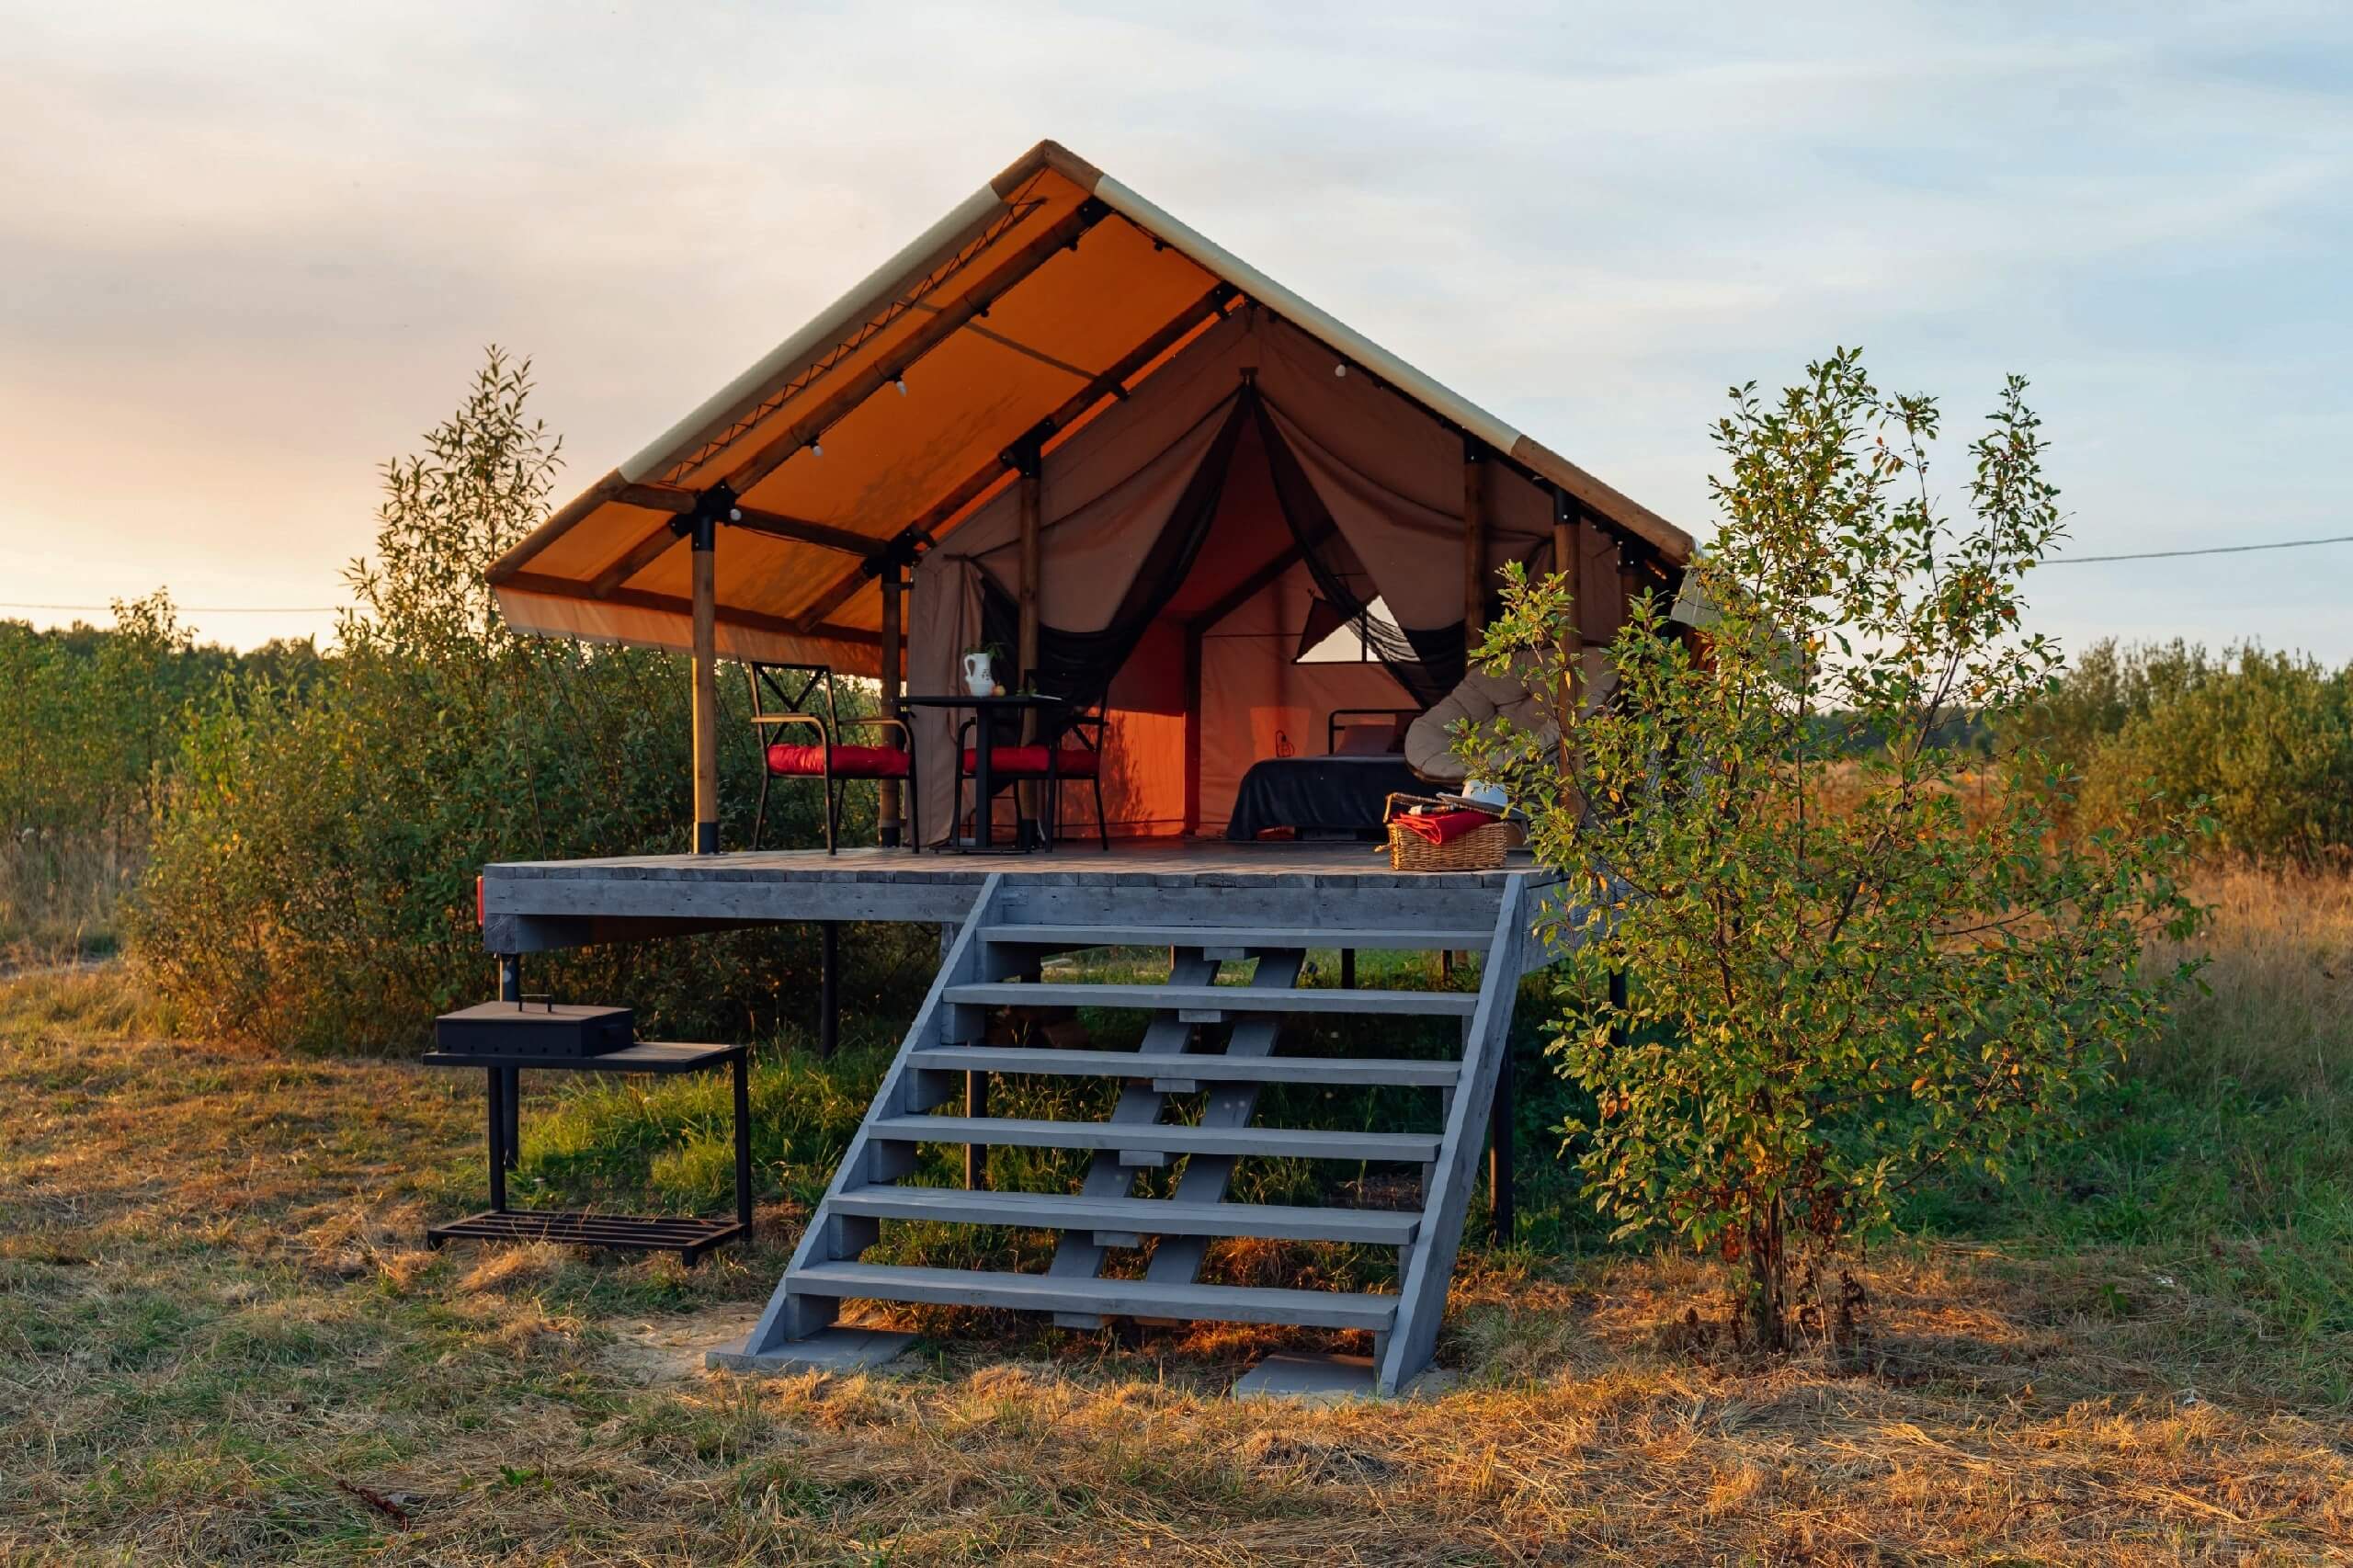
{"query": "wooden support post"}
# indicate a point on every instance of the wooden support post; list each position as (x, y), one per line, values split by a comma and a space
(829, 988)
(1499, 1155)
(976, 1155)
(1568, 547)
(888, 819)
(1032, 502)
(1474, 545)
(1193, 650)
(706, 698)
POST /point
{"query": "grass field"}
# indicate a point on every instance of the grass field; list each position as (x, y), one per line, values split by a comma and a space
(220, 1340)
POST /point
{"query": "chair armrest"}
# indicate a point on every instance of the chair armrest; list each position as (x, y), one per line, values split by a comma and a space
(899, 725)
(790, 719)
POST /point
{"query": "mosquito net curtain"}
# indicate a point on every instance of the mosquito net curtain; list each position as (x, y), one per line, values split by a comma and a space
(1185, 534)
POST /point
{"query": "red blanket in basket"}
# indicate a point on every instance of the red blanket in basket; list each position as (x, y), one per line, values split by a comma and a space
(1443, 827)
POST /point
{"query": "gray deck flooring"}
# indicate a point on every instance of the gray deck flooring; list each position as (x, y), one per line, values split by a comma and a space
(1272, 864)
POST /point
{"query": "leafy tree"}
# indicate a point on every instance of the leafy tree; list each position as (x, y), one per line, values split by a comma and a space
(312, 881)
(1847, 971)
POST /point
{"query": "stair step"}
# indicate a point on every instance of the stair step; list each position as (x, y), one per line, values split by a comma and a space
(1375, 940)
(1045, 1293)
(1140, 1216)
(1218, 998)
(1208, 1067)
(1410, 1148)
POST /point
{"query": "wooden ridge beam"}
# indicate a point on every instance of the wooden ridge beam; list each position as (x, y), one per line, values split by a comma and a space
(1112, 383)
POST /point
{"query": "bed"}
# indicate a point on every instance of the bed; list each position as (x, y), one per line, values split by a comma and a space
(1339, 795)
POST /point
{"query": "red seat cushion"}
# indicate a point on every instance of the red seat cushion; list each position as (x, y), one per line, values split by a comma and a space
(849, 762)
(1009, 759)
(1077, 762)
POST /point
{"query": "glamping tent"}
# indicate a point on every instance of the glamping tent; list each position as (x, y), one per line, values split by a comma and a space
(1063, 423)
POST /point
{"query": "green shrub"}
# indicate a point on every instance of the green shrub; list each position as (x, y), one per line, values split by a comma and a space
(2264, 739)
(312, 877)
(1844, 979)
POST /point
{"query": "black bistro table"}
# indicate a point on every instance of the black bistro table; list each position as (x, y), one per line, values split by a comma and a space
(690, 1236)
(987, 709)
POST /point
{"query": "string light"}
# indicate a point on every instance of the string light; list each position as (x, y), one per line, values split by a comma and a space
(900, 381)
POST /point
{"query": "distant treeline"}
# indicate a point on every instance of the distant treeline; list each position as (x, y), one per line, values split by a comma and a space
(313, 821)
(2265, 738)
(91, 718)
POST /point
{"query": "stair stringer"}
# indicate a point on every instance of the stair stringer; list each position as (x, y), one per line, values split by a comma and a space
(1430, 1261)
(831, 1237)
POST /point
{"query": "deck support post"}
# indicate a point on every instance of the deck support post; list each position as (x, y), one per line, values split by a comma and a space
(976, 1155)
(1029, 465)
(829, 987)
(1499, 1155)
(702, 530)
(1474, 547)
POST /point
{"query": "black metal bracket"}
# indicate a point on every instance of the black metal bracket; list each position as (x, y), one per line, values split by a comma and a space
(713, 507)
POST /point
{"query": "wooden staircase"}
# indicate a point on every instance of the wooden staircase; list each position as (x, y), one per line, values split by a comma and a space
(943, 1059)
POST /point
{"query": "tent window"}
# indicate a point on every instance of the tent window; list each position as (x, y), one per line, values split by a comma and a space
(1350, 642)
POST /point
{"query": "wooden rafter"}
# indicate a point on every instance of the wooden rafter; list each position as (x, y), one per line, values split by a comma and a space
(929, 335)
(1112, 383)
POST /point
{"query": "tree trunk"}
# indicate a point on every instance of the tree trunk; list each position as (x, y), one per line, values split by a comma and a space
(1769, 1268)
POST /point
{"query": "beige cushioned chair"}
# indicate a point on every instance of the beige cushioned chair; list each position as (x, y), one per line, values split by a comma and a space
(1479, 698)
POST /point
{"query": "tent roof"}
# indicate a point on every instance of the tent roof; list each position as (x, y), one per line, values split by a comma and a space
(1037, 301)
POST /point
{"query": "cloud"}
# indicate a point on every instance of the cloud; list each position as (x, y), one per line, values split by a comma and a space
(255, 248)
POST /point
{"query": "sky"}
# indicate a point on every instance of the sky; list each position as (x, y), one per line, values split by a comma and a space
(250, 251)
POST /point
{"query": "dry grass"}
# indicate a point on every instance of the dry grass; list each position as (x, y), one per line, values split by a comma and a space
(59, 893)
(219, 1342)
(2279, 1011)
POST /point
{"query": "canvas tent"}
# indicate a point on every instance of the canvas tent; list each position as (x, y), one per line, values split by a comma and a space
(1086, 430)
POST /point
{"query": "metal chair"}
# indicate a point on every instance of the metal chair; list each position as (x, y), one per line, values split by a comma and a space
(1084, 760)
(1050, 763)
(780, 697)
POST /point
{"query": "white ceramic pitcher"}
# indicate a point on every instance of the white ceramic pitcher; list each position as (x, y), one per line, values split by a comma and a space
(979, 679)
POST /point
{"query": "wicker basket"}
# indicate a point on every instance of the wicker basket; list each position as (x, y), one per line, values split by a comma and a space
(1481, 849)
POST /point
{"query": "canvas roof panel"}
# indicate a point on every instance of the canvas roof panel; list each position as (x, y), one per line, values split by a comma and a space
(995, 316)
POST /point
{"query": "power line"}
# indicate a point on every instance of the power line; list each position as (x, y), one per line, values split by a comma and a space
(197, 609)
(2209, 550)
(2055, 561)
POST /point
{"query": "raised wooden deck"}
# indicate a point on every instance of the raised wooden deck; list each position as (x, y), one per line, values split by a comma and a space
(535, 905)
(1212, 905)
